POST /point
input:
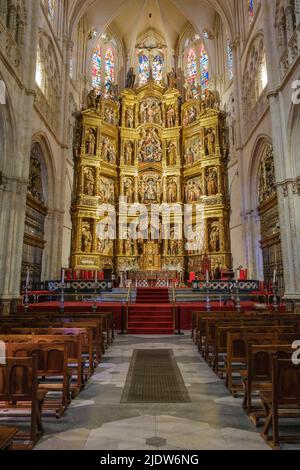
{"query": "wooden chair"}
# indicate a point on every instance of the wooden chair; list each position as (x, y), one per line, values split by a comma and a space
(52, 370)
(282, 402)
(257, 377)
(20, 396)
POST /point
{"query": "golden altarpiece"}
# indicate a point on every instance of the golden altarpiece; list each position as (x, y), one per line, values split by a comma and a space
(149, 147)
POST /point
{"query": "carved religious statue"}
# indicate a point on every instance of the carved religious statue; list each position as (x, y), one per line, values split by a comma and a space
(171, 116)
(128, 154)
(91, 100)
(211, 178)
(106, 189)
(87, 237)
(129, 118)
(172, 79)
(150, 189)
(193, 191)
(130, 79)
(172, 153)
(108, 151)
(128, 190)
(215, 239)
(89, 182)
(210, 140)
(172, 195)
(150, 111)
(150, 148)
(189, 91)
(90, 142)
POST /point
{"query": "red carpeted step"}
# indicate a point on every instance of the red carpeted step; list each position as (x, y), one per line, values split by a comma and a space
(152, 314)
(150, 331)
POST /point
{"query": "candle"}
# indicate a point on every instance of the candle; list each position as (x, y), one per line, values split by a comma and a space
(27, 277)
(62, 276)
(207, 276)
(96, 272)
(274, 277)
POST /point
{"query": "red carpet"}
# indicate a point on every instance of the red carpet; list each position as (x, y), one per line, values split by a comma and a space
(152, 313)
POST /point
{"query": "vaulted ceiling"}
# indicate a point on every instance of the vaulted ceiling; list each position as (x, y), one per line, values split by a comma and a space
(131, 17)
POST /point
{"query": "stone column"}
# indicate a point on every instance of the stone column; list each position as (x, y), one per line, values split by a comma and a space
(288, 198)
(16, 170)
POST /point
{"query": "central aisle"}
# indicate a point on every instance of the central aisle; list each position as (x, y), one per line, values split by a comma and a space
(98, 421)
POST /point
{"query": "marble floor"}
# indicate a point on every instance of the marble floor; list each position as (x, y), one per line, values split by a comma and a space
(97, 420)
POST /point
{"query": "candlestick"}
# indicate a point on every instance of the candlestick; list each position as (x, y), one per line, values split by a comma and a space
(207, 276)
(96, 273)
(62, 276)
(274, 277)
(27, 278)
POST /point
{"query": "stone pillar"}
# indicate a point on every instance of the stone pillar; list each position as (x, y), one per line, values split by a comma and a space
(16, 170)
(288, 198)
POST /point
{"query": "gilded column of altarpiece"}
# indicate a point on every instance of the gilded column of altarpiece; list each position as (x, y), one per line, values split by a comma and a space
(151, 149)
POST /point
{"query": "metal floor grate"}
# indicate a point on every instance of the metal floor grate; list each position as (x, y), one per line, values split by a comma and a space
(154, 377)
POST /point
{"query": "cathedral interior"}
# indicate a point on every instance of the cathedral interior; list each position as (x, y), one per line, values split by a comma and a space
(149, 174)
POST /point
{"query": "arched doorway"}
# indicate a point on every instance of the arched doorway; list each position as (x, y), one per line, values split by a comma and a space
(270, 241)
(36, 213)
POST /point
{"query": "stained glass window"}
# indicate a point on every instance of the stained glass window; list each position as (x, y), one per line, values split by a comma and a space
(157, 68)
(96, 69)
(251, 10)
(191, 66)
(229, 59)
(144, 71)
(109, 66)
(204, 68)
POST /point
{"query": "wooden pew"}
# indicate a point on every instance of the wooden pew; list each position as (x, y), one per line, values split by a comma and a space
(236, 357)
(7, 436)
(257, 376)
(52, 371)
(20, 396)
(282, 402)
(74, 348)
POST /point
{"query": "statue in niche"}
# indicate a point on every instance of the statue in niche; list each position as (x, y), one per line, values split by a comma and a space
(105, 148)
(130, 79)
(172, 79)
(211, 179)
(158, 113)
(192, 114)
(90, 142)
(128, 154)
(129, 118)
(171, 116)
(172, 153)
(128, 190)
(109, 115)
(91, 100)
(150, 111)
(193, 191)
(189, 156)
(150, 189)
(106, 190)
(214, 239)
(150, 149)
(89, 182)
(210, 142)
(111, 158)
(87, 237)
(172, 193)
(35, 187)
